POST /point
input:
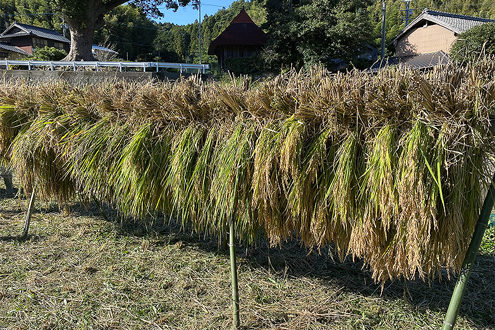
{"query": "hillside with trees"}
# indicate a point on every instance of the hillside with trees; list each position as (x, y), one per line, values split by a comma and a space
(301, 32)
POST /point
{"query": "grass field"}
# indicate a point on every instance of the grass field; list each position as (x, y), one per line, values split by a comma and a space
(78, 271)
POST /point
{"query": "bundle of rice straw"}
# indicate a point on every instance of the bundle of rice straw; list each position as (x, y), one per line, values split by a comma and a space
(390, 168)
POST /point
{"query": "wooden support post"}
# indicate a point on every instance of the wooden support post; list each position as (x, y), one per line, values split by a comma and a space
(100, 208)
(467, 266)
(233, 269)
(28, 215)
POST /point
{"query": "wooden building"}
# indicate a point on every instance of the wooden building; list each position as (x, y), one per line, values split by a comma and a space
(19, 40)
(242, 38)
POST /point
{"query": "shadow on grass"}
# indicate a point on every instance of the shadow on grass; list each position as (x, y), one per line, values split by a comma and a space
(22, 239)
(292, 260)
(4, 193)
(478, 303)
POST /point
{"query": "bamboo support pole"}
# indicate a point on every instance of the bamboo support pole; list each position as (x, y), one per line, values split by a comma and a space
(29, 213)
(100, 208)
(467, 266)
(233, 269)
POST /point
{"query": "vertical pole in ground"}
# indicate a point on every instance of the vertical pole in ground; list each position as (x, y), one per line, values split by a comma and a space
(384, 13)
(233, 270)
(199, 7)
(407, 11)
(28, 215)
(467, 266)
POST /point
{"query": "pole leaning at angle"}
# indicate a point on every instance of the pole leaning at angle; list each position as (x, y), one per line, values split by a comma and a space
(467, 266)
(233, 270)
(25, 232)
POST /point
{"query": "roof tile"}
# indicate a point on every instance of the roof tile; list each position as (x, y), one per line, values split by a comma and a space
(454, 22)
(13, 49)
(422, 61)
(34, 31)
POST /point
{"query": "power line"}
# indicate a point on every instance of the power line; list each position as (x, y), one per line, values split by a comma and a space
(29, 14)
(211, 5)
(154, 29)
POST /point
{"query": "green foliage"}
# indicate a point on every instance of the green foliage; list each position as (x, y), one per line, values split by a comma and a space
(47, 54)
(243, 65)
(301, 32)
(7, 8)
(315, 31)
(39, 13)
(172, 42)
(474, 43)
(130, 30)
(393, 23)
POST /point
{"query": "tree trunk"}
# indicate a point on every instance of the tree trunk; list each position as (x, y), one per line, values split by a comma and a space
(82, 31)
(81, 44)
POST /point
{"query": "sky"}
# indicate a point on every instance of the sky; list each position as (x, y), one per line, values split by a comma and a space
(187, 15)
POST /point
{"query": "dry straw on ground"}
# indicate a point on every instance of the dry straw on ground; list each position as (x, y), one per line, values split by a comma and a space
(389, 168)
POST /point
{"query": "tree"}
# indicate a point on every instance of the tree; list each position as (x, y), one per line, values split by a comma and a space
(474, 43)
(85, 16)
(38, 13)
(130, 30)
(318, 31)
(281, 47)
(164, 42)
(7, 8)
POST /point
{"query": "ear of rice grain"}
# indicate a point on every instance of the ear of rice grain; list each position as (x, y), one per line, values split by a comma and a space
(390, 168)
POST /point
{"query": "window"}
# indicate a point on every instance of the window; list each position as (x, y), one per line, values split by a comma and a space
(58, 45)
(39, 43)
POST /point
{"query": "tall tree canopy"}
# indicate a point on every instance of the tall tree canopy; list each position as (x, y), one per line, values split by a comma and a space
(319, 31)
(7, 8)
(85, 16)
(128, 31)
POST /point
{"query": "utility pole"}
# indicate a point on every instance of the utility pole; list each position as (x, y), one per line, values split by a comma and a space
(384, 11)
(408, 10)
(64, 26)
(199, 31)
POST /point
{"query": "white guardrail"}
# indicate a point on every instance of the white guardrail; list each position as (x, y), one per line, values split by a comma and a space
(97, 65)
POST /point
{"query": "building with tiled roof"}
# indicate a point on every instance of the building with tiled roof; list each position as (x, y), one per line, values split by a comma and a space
(433, 31)
(19, 40)
(6, 49)
(242, 38)
(427, 40)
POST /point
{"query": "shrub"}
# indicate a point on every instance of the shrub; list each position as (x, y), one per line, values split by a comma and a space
(471, 44)
(48, 54)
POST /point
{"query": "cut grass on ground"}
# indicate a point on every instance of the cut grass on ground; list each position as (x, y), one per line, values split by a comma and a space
(77, 271)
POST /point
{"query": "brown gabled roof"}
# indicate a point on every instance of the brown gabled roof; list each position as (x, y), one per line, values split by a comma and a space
(241, 31)
(13, 49)
(18, 30)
